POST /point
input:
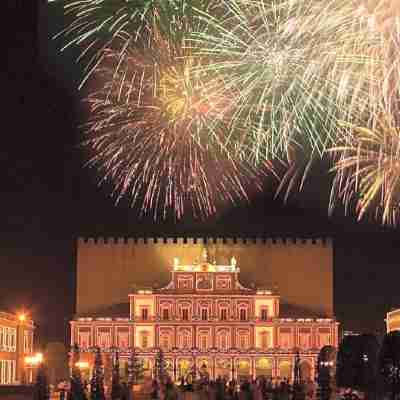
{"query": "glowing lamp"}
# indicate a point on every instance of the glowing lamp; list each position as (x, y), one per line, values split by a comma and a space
(34, 360)
(82, 365)
(22, 317)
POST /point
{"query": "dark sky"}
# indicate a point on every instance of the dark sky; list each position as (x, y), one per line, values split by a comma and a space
(48, 199)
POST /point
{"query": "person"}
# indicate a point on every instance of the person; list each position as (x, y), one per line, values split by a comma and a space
(154, 390)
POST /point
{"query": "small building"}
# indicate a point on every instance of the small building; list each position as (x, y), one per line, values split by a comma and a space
(205, 320)
(16, 343)
(393, 320)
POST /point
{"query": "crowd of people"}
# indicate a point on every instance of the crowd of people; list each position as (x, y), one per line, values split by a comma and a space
(221, 389)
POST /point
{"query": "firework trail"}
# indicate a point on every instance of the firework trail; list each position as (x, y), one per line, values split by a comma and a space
(299, 68)
(368, 170)
(97, 25)
(158, 132)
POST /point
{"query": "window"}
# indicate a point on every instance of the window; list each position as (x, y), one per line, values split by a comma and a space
(264, 340)
(104, 339)
(123, 338)
(144, 340)
(7, 372)
(243, 341)
(224, 314)
(185, 339)
(243, 314)
(305, 339)
(165, 342)
(223, 341)
(84, 339)
(324, 337)
(203, 342)
(165, 314)
(145, 313)
(204, 314)
(264, 313)
(27, 342)
(285, 338)
(185, 314)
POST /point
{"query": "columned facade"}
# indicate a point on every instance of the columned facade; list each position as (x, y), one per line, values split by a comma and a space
(206, 320)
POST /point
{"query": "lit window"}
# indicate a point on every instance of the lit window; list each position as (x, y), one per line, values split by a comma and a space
(243, 314)
(264, 313)
(223, 341)
(165, 314)
(165, 342)
(284, 339)
(224, 314)
(144, 340)
(185, 340)
(264, 340)
(243, 341)
(305, 340)
(185, 314)
(204, 314)
(203, 342)
(145, 313)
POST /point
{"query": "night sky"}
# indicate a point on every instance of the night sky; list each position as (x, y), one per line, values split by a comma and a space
(49, 198)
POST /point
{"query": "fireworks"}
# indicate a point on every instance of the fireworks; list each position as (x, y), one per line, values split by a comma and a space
(368, 170)
(197, 98)
(98, 25)
(158, 132)
(299, 68)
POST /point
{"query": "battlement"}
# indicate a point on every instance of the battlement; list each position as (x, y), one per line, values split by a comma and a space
(179, 241)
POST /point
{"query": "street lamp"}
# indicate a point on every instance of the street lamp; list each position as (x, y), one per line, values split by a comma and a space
(22, 317)
(32, 362)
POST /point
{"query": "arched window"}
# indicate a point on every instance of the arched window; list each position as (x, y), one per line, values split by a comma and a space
(243, 340)
(203, 342)
(165, 343)
(243, 314)
(223, 340)
(185, 339)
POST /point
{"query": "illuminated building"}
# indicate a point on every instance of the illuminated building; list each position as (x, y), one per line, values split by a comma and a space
(393, 320)
(205, 319)
(16, 342)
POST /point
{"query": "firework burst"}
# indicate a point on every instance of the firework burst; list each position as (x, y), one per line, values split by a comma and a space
(157, 129)
(368, 170)
(97, 25)
(299, 68)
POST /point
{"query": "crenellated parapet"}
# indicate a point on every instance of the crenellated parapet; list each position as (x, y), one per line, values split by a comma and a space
(258, 241)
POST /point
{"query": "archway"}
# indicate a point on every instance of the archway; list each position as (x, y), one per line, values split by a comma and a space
(305, 371)
(285, 369)
(243, 369)
(264, 367)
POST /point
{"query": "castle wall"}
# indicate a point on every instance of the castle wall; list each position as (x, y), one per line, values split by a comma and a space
(301, 270)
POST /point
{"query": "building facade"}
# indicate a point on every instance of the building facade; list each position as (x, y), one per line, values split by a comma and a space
(16, 343)
(205, 319)
(393, 320)
(300, 269)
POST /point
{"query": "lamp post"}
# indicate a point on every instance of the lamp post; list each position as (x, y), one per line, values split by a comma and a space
(31, 363)
(83, 366)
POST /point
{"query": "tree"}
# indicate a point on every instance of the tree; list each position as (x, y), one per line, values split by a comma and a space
(357, 363)
(135, 369)
(41, 389)
(389, 363)
(77, 392)
(116, 389)
(160, 366)
(324, 366)
(56, 356)
(97, 382)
